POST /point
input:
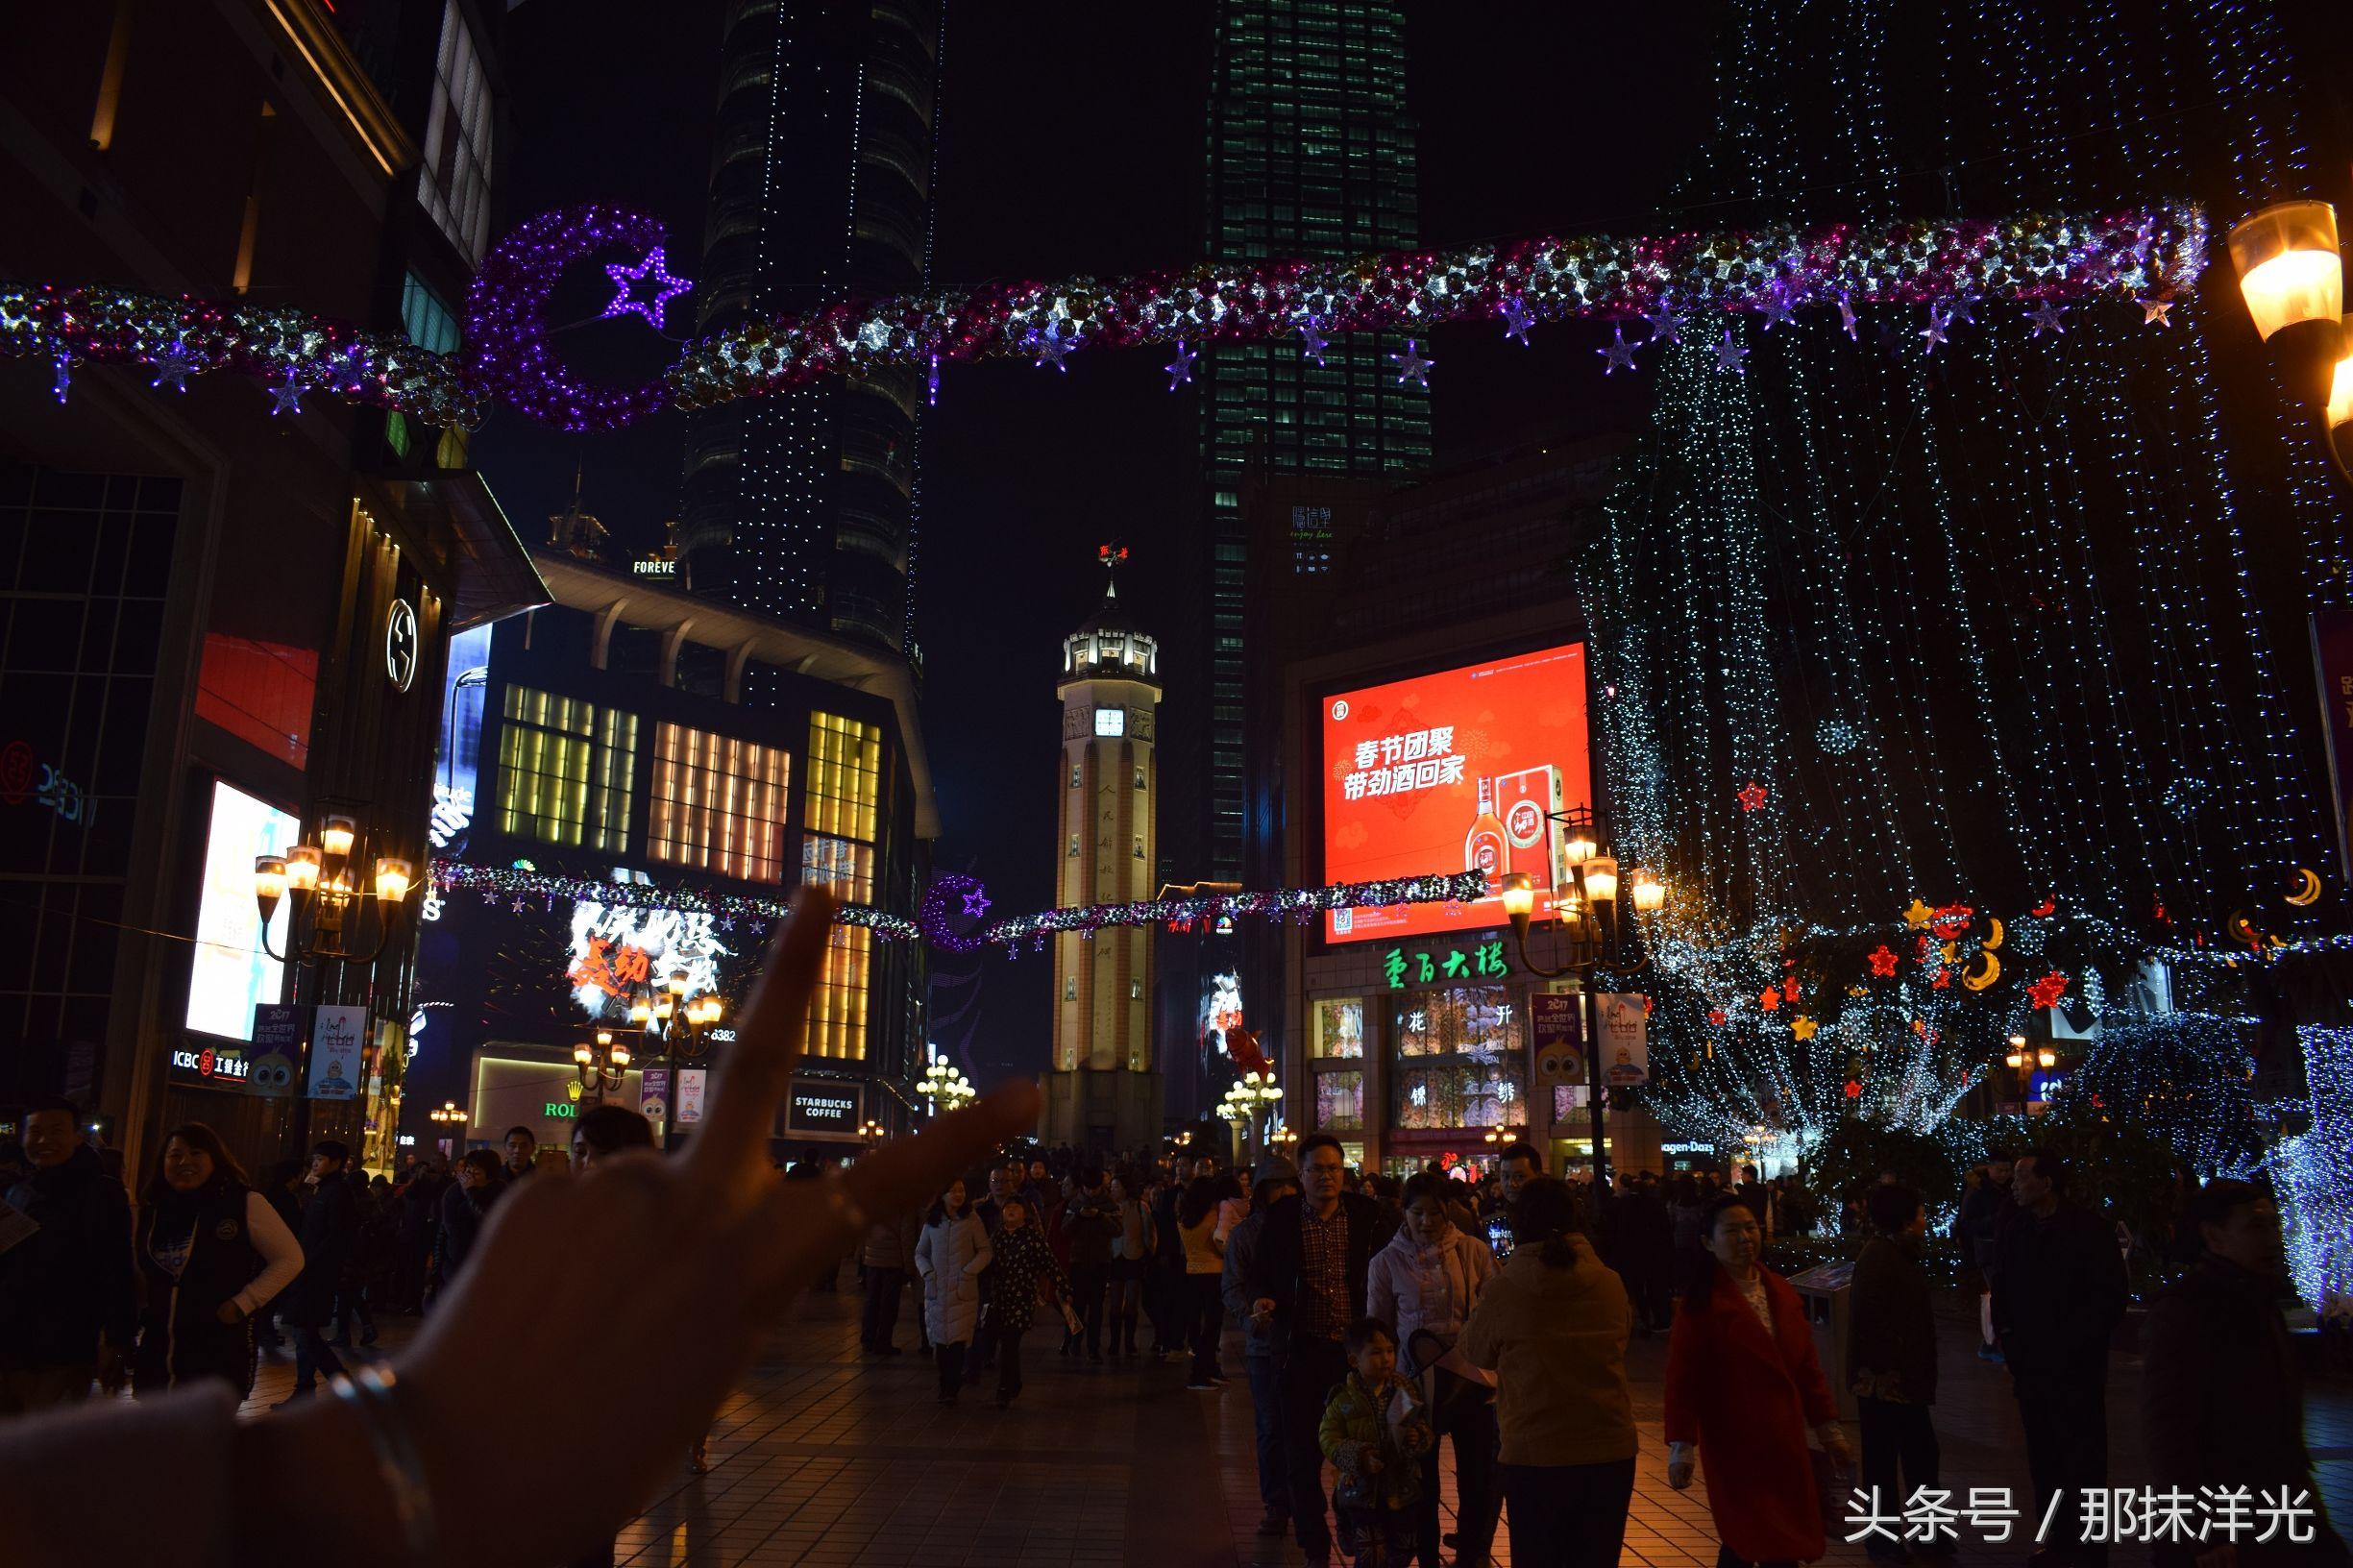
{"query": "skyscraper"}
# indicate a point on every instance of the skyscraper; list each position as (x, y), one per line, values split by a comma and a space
(1311, 153)
(802, 504)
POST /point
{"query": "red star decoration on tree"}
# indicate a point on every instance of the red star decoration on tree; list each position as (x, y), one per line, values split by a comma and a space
(1789, 989)
(1770, 1000)
(1715, 1016)
(1752, 797)
(1942, 981)
(1883, 961)
(1855, 1089)
(2046, 991)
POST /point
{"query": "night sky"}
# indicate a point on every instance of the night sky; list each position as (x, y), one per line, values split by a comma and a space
(1072, 144)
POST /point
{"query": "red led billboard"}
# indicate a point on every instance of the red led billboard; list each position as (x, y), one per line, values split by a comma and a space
(1460, 770)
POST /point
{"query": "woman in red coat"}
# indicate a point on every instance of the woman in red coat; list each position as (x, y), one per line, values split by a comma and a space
(1743, 1384)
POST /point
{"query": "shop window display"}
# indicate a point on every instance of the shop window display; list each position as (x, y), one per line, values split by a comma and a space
(1459, 1055)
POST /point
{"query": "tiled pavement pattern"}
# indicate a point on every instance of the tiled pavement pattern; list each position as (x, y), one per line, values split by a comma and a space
(830, 1458)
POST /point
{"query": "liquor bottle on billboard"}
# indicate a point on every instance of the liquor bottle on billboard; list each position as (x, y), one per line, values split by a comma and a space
(1483, 849)
(1527, 801)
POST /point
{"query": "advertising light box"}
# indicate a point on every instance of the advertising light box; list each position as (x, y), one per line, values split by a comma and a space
(232, 971)
(1460, 770)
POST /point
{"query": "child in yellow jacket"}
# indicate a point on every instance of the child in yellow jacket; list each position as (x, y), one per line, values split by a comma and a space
(1373, 1432)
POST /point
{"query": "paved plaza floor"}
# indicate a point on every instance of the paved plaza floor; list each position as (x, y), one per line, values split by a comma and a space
(827, 1456)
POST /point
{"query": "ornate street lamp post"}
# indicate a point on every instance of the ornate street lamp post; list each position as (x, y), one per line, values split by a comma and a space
(1588, 913)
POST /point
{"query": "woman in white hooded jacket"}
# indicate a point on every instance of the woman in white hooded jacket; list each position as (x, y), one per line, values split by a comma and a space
(949, 1254)
(1425, 1283)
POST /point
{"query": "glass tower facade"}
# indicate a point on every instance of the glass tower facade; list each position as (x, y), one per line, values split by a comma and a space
(803, 504)
(1311, 153)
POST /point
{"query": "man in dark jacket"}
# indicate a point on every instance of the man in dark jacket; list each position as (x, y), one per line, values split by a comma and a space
(464, 1206)
(1982, 1209)
(331, 1220)
(1891, 1358)
(1307, 1285)
(1090, 1221)
(2222, 1400)
(2059, 1292)
(1278, 1180)
(68, 1288)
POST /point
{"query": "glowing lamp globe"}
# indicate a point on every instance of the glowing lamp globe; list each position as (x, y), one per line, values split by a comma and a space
(1578, 844)
(269, 881)
(1601, 879)
(1649, 892)
(1519, 895)
(2288, 268)
(2341, 394)
(392, 879)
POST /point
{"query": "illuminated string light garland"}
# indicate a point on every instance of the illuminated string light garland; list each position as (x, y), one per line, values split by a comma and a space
(508, 354)
(2313, 1175)
(1997, 574)
(519, 885)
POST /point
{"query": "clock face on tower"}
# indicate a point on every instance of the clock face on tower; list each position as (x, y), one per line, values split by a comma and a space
(1110, 720)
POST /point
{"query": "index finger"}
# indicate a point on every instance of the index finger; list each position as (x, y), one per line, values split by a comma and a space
(733, 1138)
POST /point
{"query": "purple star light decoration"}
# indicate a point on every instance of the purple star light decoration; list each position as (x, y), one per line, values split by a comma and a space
(653, 270)
(976, 903)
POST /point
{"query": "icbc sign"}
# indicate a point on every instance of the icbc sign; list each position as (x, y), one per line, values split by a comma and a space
(220, 1065)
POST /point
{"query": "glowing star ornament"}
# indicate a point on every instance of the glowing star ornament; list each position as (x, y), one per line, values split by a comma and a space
(1412, 365)
(1941, 980)
(287, 397)
(1934, 333)
(1180, 369)
(1517, 319)
(1769, 1000)
(1803, 1028)
(1777, 308)
(174, 365)
(1729, 354)
(2046, 318)
(631, 284)
(1883, 962)
(2046, 991)
(1917, 915)
(2155, 312)
(1618, 352)
(1312, 342)
(1666, 326)
(1752, 797)
(1052, 348)
(976, 904)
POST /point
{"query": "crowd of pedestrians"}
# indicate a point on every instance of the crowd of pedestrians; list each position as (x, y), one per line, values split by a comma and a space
(1386, 1331)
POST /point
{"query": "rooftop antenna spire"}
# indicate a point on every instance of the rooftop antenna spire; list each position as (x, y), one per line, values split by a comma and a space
(1112, 556)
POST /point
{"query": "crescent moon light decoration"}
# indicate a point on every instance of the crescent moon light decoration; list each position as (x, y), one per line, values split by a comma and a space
(1982, 974)
(2307, 888)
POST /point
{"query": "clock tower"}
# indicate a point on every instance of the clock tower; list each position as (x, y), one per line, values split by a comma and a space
(1102, 1091)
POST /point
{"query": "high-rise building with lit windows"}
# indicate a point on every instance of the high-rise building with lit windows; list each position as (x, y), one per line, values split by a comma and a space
(1309, 153)
(803, 506)
(610, 737)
